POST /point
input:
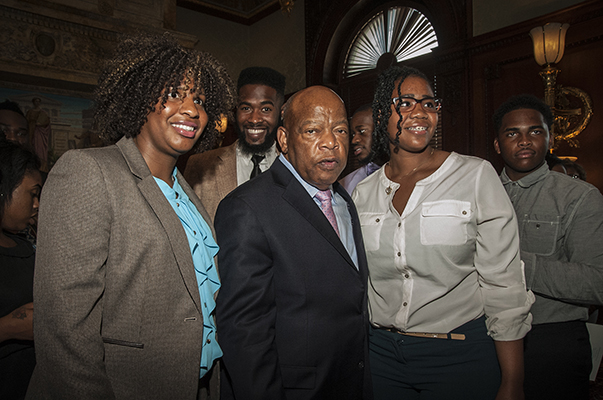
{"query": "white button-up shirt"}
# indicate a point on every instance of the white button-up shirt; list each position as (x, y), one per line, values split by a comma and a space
(450, 257)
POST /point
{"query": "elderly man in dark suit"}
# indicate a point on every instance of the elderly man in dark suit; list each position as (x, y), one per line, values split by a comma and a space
(292, 311)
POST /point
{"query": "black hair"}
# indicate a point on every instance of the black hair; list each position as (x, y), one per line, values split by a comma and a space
(11, 106)
(552, 160)
(363, 107)
(567, 164)
(145, 70)
(262, 76)
(15, 162)
(522, 101)
(382, 104)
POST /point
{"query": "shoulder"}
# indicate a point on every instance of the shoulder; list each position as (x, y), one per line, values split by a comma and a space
(351, 175)
(470, 162)
(370, 190)
(210, 155)
(78, 159)
(564, 186)
(201, 164)
(469, 168)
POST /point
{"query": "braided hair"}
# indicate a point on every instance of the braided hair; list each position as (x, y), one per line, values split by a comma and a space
(382, 105)
(145, 70)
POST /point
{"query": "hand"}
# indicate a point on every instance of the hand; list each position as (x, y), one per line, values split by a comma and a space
(18, 324)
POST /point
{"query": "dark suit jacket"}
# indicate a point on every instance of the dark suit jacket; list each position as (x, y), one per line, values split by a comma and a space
(291, 312)
(212, 175)
(117, 306)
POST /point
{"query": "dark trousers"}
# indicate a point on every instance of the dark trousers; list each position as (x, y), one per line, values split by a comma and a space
(557, 359)
(411, 368)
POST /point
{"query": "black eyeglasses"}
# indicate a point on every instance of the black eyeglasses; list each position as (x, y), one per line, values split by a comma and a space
(407, 104)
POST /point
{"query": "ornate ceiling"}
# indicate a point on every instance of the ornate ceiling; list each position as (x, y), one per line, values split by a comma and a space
(242, 11)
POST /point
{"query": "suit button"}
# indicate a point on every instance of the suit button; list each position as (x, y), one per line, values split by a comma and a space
(361, 365)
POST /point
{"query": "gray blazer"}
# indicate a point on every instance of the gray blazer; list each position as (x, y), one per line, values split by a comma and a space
(117, 307)
(213, 174)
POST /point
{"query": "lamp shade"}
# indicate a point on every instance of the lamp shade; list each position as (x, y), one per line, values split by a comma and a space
(549, 42)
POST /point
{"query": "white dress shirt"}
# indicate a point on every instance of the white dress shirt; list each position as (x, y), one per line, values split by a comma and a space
(245, 165)
(451, 257)
(340, 209)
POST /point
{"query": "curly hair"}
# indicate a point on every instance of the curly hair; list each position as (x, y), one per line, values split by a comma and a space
(522, 101)
(145, 70)
(15, 162)
(382, 105)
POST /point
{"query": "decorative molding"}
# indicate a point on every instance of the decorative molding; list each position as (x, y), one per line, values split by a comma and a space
(35, 46)
(58, 46)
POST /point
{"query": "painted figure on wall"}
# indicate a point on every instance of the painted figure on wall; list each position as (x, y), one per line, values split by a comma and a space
(39, 131)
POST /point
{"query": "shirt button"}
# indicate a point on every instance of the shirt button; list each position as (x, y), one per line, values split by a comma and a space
(399, 254)
(406, 276)
(361, 364)
(399, 224)
(405, 304)
(194, 232)
(464, 212)
(377, 220)
(177, 204)
(208, 341)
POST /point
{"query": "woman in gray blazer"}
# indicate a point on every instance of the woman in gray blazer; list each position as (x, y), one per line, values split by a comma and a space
(125, 275)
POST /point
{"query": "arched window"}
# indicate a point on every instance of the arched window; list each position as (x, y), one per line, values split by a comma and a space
(398, 32)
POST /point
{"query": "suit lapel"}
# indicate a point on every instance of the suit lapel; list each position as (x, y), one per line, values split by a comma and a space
(300, 200)
(165, 214)
(226, 176)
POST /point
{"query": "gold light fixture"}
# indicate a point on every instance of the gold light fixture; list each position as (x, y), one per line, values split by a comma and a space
(286, 6)
(222, 124)
(571, 107)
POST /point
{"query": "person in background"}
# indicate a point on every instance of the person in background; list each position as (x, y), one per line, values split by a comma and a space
(561, 237)
(215, 173)
(361, 126)
(125, 274)
(20, 185)
(447, 298)
(555, 163)
(574, 169)
(292, 310)
(13, 125)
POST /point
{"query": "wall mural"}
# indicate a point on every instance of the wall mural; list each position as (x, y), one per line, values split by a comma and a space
(70, 119)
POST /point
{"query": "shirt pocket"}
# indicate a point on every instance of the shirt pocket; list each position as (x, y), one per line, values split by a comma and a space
(445, 222)
(539, 234)
(371, 224)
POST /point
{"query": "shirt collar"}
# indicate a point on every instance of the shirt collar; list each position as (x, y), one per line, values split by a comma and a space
(539, 174)
(312, 190)
(269, 156)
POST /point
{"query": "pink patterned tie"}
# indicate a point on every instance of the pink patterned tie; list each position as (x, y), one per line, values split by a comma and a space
(325, 205)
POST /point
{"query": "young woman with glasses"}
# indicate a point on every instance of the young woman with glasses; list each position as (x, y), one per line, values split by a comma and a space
(447, 298)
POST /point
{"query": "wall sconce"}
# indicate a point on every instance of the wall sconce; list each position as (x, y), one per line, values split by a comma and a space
(571, 107)
(222, 123)
(286, 6)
